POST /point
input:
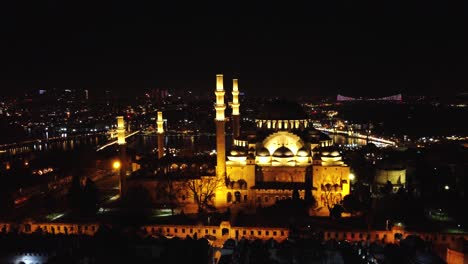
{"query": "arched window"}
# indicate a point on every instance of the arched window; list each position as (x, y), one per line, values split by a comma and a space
(237, 196)
(229, 197)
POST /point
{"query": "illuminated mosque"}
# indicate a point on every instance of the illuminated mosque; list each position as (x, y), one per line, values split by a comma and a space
(283, 155)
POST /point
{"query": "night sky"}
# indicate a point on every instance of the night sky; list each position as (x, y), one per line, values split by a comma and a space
(320, 48)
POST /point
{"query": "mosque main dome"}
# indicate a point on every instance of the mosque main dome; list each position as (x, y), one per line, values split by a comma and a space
(281, 110)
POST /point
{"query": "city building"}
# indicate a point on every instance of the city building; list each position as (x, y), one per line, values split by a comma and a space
(387, 173)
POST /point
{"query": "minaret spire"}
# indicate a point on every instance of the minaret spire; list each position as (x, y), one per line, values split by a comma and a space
(235, 109)
(160, 132)
(123, 155)
(220, 128)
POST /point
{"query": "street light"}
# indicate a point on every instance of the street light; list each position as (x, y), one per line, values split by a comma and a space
(446, 187)
(116, 165)
(351, 177)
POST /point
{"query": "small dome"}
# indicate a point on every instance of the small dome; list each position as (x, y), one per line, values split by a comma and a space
(330, 152)
(283, 152)
(302, 152)
(263, 152)
(238, 151)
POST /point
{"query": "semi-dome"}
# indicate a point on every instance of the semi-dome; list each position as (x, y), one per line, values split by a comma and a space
(282, 110)
(302, 152)
(283, 152)
(263, 152)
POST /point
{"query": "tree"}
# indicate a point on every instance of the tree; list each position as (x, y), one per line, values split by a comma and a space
(90, 194)
(204, 190)
(327, 191)
(83, 195)
(75, 192)
(169, 190)
(351, 204)
(138, 197)
(336, 211)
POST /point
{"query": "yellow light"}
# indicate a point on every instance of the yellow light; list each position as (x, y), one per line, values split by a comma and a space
(120, 122)
(116, 165)
(113, 198)
(235, 85)
(351, 177)
(120, 130)
(219, 82)
(160, 123)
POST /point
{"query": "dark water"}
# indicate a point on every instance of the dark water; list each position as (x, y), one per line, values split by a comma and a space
(65, 144)
(188, 144)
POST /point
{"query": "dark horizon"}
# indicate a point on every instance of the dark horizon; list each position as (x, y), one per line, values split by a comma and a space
(355, 49)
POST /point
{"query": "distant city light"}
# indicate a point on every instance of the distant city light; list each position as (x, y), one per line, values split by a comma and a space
(446, 187)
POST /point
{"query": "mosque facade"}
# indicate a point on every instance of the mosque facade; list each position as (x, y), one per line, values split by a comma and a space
(284, 154)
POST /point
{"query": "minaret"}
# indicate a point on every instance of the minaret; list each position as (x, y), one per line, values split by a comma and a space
(122, 153)
(220, 128)
(235, 109)
(160, 132)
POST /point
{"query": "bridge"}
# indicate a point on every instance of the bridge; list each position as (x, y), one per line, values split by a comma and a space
(357, 135)
(391, 98)
(116, 141)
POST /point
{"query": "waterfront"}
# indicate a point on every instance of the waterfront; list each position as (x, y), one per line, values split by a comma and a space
(87, 144)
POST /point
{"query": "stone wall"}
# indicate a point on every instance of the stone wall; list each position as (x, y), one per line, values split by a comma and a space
(218, 233)
(225, 231)
(51, 228)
